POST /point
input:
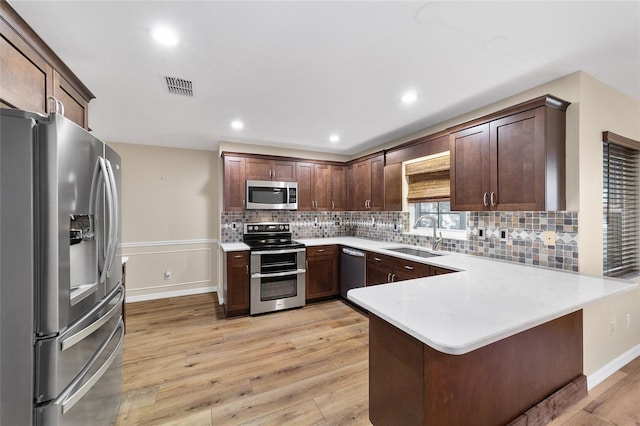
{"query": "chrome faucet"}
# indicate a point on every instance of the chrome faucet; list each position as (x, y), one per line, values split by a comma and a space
(437, 241)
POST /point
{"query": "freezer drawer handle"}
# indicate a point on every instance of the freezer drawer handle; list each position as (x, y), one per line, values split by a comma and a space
(72, 340)
(69, 402)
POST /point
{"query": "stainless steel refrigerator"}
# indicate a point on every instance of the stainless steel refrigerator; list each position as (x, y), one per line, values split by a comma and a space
(61, 293)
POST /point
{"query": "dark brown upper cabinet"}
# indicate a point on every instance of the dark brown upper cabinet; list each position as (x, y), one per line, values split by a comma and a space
(320, 187)
(234, 182)
(32, 73)
(365, 179)
(270, 169)
(512, 160)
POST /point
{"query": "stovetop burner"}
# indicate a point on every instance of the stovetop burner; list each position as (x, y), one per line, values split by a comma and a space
(269, 235)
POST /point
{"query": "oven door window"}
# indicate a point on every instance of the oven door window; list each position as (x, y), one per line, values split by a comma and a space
(273, 288)
(280, 262)
(266, 195)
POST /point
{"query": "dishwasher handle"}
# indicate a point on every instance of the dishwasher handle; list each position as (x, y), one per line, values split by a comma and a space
(352, 252)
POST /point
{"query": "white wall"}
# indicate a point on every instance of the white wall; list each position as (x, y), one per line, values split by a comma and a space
(169, 220)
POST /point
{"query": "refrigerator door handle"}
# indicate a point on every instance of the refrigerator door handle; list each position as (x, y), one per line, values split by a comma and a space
(70, 400)
(109, 193)
(113, 216)
(79, 336)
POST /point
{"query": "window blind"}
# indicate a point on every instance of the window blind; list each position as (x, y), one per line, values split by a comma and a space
(620, 205)
(428, 179)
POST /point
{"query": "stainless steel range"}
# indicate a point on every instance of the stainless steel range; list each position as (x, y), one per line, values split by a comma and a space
(277, 267)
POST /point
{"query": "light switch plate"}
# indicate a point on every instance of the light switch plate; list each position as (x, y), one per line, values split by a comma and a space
(549, 238)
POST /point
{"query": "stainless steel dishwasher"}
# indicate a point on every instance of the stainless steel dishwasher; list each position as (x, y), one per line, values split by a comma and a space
(353, 269)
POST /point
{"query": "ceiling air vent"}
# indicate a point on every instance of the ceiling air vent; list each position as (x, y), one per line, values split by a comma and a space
(179, 86)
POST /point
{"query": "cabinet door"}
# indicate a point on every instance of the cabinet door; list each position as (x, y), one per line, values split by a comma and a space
(362, 174)
(258, 168)
(305, 188)
(237, 283)
(470, 169)
(518, 161)
(284, 171)
(378, 269)
(377, 183)
(323, 278)
(338, 188)
(76, 108)
(349, 172)
(234, 183)
(321, 189)
(393, 187)
(26, 78)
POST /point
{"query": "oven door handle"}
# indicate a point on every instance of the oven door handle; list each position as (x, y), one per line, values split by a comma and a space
(279, 274)
(283, 251)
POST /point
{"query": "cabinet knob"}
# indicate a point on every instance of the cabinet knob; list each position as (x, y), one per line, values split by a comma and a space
(484, 200)
(393, 278)
(493, 199)
(410, 268)
(320, 250)
(389, 277)
(333, 205)
(377, 259)
(237, 256)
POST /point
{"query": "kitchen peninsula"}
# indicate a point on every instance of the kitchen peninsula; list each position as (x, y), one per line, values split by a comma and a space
(481, 346)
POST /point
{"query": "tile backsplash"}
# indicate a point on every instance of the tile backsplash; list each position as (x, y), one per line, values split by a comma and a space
(523, 230)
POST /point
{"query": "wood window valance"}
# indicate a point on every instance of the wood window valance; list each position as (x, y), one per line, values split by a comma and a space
(428, 179)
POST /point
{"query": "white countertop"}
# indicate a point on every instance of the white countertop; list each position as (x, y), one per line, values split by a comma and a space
(486, 302)
(233, 247)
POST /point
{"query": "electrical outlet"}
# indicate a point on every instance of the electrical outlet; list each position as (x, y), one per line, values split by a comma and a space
(612, 327)
(549, 238)
(503, 235)
(481, 234)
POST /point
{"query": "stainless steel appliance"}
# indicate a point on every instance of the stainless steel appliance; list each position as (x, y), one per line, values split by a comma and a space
(61, 291)
(352, 270)
(277, 267)
(272, 195)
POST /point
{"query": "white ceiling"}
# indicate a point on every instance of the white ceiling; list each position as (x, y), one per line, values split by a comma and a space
(297, 71)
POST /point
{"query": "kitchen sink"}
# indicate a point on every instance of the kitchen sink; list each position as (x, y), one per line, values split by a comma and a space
(413, 252)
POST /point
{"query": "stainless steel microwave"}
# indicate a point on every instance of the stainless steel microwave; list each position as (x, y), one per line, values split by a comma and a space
(272, 195)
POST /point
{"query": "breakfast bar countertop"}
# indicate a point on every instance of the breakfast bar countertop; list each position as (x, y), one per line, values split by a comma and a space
(487, 301)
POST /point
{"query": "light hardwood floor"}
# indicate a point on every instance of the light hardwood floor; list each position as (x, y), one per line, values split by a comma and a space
(185, 364)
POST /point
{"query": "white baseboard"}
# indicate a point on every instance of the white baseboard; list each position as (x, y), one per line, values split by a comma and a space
(167, 294)
(603, 373)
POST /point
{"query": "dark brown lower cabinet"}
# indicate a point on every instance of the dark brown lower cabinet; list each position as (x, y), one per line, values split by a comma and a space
(236, 300)
(382, 269)
(323, 272)
(411, 383)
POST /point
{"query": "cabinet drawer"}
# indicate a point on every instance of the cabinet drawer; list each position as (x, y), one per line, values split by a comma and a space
(322, 251)
(236, 258)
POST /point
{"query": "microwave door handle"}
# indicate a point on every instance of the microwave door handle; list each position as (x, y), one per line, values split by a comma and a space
(105, 174)
(113, 216)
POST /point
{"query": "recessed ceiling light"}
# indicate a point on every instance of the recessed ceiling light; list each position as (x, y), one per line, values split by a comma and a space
(334, 138)
(237, 124)
(165, 36)
(409, 97)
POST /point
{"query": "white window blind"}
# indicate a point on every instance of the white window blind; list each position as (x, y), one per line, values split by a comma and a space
(620, 203)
